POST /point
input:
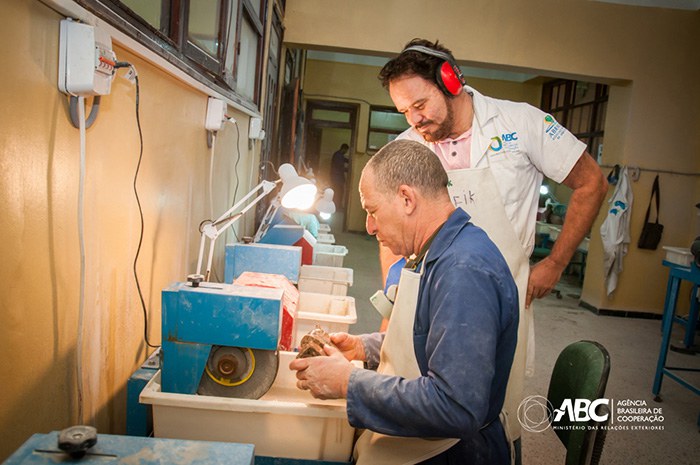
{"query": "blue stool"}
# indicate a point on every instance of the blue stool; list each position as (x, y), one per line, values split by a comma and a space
(677, 274)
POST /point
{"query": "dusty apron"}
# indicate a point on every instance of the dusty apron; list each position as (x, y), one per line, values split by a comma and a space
(475, 191)
(398, 358)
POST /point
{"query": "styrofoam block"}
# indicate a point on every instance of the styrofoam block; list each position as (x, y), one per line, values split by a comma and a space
(285, 422)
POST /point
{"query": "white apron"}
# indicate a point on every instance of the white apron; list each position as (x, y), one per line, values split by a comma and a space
(398, 358)
(476, 192)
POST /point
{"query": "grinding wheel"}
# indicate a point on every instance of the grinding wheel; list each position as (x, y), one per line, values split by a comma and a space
(238, 372)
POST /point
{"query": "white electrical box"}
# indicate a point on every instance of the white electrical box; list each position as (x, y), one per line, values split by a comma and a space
(85, 60)
(216, 114)
(255, 130)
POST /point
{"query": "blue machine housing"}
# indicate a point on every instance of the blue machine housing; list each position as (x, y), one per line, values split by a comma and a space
(263, 258)
(196, 318)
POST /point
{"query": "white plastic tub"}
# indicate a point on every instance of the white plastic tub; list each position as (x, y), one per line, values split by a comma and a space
(285, 422)
(325, 238)
(333, 313)
(678, 255)
(329, 255)
(325, 279)
(324, 228)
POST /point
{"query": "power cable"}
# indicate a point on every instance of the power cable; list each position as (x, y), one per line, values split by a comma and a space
(121, 64)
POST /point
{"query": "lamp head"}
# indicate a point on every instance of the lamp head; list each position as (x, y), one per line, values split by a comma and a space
(296, 192)
(325, 205)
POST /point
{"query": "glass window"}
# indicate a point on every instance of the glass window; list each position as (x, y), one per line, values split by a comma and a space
(231, 44)
(256, 6)
(203, 25)
(330, 115)
(149, 10)
(381, 119)
(247, 61)
(385, 124)
(218, 42)
(578, 106)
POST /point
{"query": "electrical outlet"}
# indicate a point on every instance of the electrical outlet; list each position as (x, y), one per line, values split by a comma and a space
(85, 59)
(255, 130)
(216, 114)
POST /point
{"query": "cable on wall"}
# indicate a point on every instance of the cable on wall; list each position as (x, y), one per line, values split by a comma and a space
(81, 241)
(235, 168)
(134, 75)
(211, 174)
(73, 111)
(232, 120)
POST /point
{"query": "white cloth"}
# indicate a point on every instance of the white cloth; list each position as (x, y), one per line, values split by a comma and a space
(615, 231)
(522, 144)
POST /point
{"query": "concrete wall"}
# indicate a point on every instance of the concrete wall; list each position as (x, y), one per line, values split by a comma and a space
(39, 159)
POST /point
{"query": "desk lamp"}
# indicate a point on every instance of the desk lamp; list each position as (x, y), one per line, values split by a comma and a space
(325, 204)
(296, 192)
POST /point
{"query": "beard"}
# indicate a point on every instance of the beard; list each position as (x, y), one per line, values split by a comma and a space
(444, 129)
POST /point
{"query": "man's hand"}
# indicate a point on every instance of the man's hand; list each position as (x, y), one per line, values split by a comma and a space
(589, 187)
(350, 346)
(326, 377)
(544, 275)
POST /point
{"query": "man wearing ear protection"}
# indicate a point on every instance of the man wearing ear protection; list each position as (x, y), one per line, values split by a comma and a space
(496, 154)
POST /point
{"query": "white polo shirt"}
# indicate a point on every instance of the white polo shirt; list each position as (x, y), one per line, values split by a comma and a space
(521, 144)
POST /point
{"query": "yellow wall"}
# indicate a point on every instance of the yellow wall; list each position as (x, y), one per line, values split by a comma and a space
(648, 55)
(39, 166)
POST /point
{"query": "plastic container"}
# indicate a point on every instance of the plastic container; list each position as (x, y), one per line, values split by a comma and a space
(325, 238)
(678, 255)
(324, 228)
(285, 422)
(325, 279)
(329, 255)
(333, 313)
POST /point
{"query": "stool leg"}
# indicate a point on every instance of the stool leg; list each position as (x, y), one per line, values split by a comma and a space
(667, 326)
(692, 320)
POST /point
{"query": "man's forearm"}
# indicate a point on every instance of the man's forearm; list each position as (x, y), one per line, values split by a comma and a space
(580, 215)
(588, 194)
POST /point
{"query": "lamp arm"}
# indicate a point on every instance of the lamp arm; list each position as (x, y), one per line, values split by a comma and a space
(212, 231)
(266, 186)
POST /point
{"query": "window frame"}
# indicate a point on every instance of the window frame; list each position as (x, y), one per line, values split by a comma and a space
(370, 129)
(170, 42)
(594, 132)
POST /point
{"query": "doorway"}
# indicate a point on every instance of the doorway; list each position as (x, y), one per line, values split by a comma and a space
(329, 125)
(581, 108)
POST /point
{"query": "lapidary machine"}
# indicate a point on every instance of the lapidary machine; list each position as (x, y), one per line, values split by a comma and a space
(220, 339)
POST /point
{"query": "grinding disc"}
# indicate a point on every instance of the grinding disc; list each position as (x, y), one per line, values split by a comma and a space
(238, 372)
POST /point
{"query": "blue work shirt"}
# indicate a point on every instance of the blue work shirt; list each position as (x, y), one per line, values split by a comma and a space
(464, 337)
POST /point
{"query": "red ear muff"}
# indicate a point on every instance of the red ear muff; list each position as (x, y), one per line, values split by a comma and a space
(449, 78)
